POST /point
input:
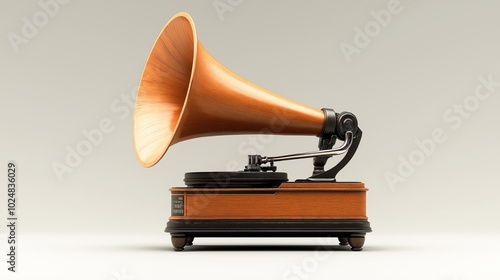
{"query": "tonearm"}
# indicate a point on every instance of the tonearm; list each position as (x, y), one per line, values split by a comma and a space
(342, 126)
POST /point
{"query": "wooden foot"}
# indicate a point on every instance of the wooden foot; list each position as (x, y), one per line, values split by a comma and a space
(356, 243)
(343, 241)
(189, 241)
(179, 243)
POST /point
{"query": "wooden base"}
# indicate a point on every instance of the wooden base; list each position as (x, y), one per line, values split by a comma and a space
(356, 242)
(350, 232)
(295, 209)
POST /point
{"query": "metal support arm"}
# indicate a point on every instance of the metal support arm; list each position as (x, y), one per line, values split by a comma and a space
(343, 126)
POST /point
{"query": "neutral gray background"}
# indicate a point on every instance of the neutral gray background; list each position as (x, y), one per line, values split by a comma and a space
(76, 68)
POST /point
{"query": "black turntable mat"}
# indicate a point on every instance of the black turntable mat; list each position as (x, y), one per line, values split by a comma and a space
(235, 179)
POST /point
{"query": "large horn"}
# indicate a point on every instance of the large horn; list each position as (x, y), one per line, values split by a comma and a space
(185, 93)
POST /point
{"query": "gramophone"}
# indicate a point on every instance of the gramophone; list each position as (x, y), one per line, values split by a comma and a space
(185, 93)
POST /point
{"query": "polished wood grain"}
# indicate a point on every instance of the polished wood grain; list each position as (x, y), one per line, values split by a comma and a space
(185, 93)
(289, 201)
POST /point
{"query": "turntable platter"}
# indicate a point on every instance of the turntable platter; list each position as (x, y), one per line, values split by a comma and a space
(235, 179)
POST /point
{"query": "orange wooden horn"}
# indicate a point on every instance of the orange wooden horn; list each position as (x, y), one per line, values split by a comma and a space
(185, 93)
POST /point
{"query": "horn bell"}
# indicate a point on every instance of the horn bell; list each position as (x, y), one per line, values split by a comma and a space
(185, 93)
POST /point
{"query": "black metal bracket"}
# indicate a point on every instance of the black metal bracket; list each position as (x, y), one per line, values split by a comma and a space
(331, 174)
(343, 126)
